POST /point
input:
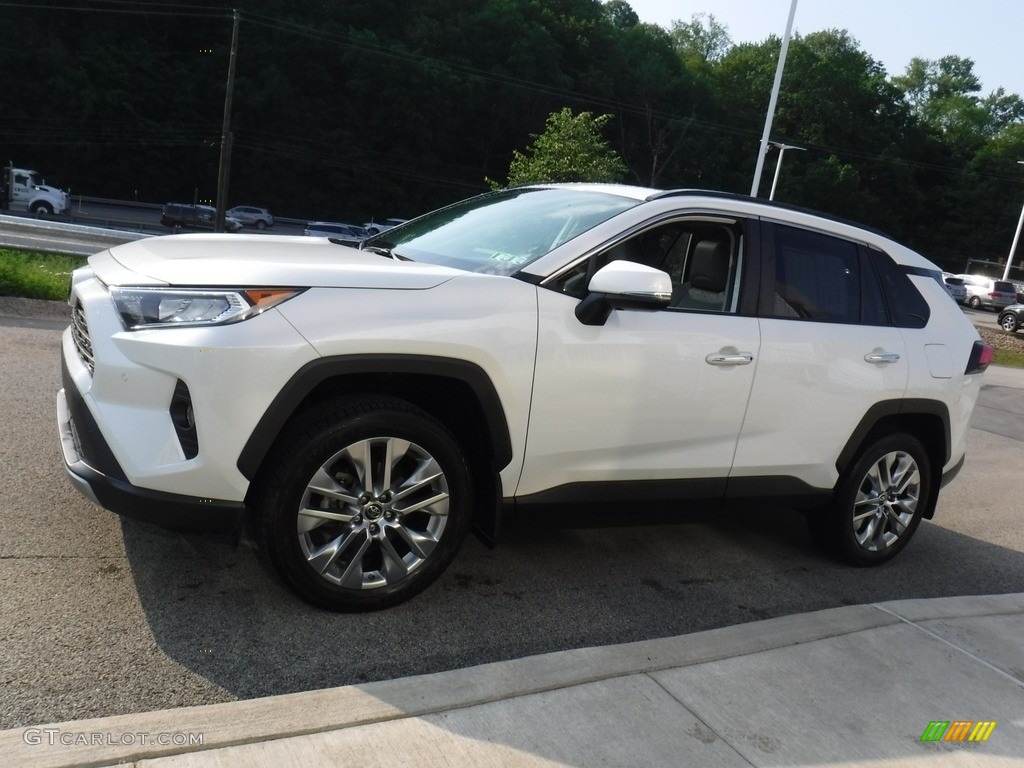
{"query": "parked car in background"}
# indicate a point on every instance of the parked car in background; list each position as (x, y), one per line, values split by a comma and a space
(368, 408)
(180, 216)
(988, 292)
(955, 287)
(251, 216)
(376, 227)
(346, 234)
(1012, 318)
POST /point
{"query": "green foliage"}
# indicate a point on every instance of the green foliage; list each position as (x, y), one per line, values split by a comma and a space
(701, 41)
(36, 275)
(376, 108)
(571, 148)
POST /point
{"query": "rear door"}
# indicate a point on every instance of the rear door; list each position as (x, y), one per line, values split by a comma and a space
(829, 352)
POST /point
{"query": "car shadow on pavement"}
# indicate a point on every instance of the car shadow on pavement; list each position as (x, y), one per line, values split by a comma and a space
(216, 608)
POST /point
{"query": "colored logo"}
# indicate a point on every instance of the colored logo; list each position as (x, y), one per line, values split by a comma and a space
(958, 730)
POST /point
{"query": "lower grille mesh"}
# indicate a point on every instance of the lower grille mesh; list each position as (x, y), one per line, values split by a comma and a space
(80, 334)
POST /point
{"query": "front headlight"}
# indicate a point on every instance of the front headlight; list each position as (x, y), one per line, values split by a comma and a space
(186, 307)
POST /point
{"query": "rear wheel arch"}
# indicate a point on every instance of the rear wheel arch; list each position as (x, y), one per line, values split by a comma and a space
(926, 420)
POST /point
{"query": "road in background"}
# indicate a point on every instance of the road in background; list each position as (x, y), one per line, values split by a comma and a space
(102, 616)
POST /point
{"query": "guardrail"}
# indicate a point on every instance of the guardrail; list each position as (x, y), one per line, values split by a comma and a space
(58, 237)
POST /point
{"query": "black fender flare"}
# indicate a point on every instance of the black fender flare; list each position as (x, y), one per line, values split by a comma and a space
(316, 372)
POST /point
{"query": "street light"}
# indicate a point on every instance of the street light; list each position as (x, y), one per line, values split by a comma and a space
(770, 116)
(1016, 239)
(778, 166)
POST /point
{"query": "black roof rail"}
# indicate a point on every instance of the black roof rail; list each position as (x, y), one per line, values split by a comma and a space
(769, 203)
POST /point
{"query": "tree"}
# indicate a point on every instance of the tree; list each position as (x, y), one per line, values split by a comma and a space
(701, 41)
(571, 148)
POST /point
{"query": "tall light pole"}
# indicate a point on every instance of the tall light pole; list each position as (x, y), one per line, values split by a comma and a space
(778, 165)
(770, 117)
(1016, 239)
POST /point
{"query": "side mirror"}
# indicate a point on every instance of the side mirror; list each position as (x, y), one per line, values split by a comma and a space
(624, 285)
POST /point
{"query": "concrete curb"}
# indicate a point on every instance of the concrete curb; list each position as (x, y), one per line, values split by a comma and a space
(279, 717)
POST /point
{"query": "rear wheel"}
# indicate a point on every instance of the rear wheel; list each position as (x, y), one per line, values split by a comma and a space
(878, 503)
(364, 504)
(1009, 322)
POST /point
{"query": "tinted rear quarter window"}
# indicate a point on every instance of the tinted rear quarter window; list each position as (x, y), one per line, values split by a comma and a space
(907, 306)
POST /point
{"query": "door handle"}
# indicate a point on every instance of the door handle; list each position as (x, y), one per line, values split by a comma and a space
(882, 357)
(736, 358)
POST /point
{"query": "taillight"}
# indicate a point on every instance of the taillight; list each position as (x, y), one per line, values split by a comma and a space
(981, 356)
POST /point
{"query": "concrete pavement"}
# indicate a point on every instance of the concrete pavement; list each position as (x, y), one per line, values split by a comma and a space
(851, 686)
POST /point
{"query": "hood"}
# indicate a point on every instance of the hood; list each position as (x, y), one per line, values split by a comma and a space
(258, 260)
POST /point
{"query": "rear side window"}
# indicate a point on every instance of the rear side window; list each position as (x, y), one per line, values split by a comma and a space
(1002, 286)
(817, 277)
(906, 306)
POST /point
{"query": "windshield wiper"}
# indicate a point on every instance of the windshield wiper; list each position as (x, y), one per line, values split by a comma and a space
(385, 252)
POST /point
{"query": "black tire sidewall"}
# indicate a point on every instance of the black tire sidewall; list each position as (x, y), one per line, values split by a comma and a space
(320, 434)
(839, 523)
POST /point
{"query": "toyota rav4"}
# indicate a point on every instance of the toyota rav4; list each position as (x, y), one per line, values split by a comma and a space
(535, 346)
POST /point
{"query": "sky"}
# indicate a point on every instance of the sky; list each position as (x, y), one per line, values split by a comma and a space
(890, 31)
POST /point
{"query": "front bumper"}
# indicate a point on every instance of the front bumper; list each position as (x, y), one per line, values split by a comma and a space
(95, 473)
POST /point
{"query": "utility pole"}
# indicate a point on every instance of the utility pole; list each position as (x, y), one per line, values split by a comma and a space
(1016, 239)
(224, 171)
(770, 117)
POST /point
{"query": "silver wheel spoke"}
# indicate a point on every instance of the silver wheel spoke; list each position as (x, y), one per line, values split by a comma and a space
(881, 476)
(421, 506)
(394, 567)
(352, 577)
(322, 558)
(310, 518)
(419, 544)
(326, 485)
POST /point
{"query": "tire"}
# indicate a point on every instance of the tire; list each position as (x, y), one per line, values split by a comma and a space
(42, 209)
(261, 224)
(974, 302)
(346, 540)
(878, 503)
(1009, 322)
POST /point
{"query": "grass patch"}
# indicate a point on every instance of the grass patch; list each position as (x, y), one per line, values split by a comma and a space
(1009, 358)
(36, 275)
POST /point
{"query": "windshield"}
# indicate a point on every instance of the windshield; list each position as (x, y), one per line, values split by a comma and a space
(501, 232)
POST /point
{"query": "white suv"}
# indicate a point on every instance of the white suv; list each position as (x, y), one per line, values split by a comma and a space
(541, 345)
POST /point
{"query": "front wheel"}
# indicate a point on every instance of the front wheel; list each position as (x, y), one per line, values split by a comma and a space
(1009, 322)
(42, 209)
(879, 501)
(974, 302)
(363, 504)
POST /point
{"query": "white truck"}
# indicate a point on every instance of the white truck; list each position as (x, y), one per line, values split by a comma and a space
(24, 190)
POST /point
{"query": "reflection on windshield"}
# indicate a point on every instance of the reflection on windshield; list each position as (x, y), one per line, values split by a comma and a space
(502, 232)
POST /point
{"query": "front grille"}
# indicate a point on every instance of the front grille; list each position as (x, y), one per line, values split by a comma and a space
(80, 334)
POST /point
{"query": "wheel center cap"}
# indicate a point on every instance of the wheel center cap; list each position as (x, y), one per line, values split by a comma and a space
(373, 511)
